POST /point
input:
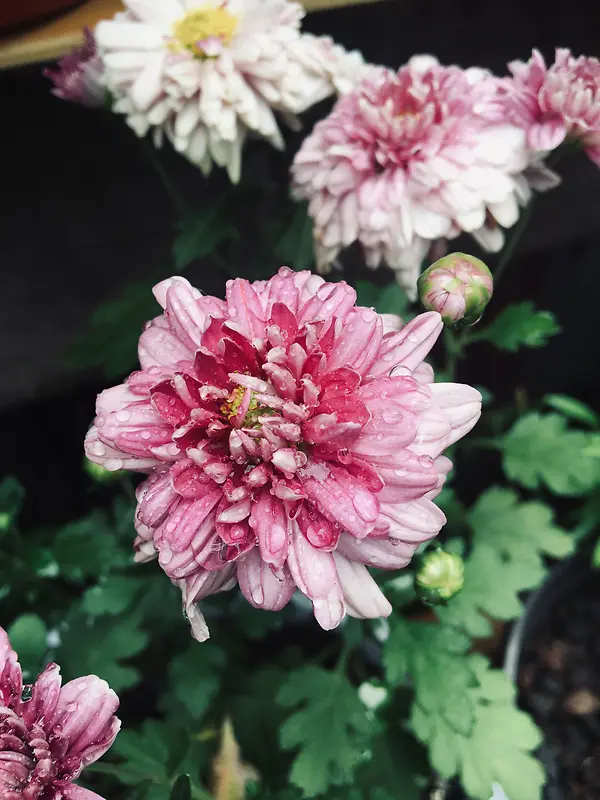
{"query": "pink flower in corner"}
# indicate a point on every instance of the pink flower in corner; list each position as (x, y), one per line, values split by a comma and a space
(292, 439)
(48, 734)
(557, 102)
(408, 158)
(79, 75)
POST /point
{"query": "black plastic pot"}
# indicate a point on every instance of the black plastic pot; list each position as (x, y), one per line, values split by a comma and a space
(566, 580)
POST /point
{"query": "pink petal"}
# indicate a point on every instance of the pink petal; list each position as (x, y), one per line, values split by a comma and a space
(10, 672)
(410, 346)
(113, 459)
(462, 406)
(180, 301)
(412, 478)
(44, 696)
(159, 346)
(358, 344)
(155, 497)
(364, 599)
(73, 792)
(269, 521)
(330, 300)
(329, 611)
(200, 585)
(185, 521)
(380, 553)
(312, 570)
(245, 308)
(414, 522)
(260, 586)
(344, 501)
(547, 135)
(84, 718)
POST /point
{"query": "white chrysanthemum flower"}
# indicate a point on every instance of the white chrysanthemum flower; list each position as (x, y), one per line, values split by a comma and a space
(208, 72)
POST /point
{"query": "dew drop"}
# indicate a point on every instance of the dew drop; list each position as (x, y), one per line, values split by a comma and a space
(426, 462)
(123, 416)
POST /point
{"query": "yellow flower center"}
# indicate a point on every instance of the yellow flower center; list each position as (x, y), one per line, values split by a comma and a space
(231, 407)
(201, 24)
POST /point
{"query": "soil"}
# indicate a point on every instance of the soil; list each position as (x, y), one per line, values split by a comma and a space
(559, 680)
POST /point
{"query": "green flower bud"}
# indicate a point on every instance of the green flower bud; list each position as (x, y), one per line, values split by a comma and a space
(100, 475)
(440, 575)
(458, 286)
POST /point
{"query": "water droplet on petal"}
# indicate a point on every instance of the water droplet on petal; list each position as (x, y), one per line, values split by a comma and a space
(123, 416)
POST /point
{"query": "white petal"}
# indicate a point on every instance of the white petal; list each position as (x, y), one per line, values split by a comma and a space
(127, 35)
(147, 86)
(162, 12)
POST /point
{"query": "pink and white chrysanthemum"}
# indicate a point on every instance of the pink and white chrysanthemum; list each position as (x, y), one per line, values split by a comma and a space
(557, 102)
(408, 158)
(79, 76)
(292, 439)
(209, 72)
(48, 734)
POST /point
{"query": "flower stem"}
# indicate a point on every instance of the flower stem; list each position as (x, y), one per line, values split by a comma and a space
(179, 203)
(514, 240)
(455, 344)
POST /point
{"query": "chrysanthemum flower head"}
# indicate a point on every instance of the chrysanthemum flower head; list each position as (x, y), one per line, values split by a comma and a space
(557, 102)
(79, 76)
(209, 72)
(407, 158)
(291, 438)
(48, 734)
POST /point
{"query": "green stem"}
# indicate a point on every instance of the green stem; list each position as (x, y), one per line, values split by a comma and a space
(514, 240)
(455, 344)
(179, 203)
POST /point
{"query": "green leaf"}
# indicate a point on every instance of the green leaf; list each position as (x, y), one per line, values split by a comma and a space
(201, 232)
(182, 789)
(144, 757)
(114, 330)
(195, 679)
(12, 495)
(539, 450)
(330, 728)
(87, 547)
(112, 596)
(430, 651)
(596, 555)
(464, 712)
(510, 540)
(99, 645)
(296, 248)
(28, 637)
(519, 325)
(574, 409)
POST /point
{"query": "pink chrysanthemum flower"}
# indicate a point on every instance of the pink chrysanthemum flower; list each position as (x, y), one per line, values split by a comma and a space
(208, 73)
(48, 734)
(291, 438)
(408, 158)
(79, 75)
(556, 102)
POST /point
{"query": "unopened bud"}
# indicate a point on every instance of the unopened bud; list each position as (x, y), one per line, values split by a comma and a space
(439, 577)
(100, 475)
(458, 286)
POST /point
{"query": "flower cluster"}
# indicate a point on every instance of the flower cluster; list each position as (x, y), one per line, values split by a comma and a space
(410, 158)
(291, 438)
(556, 102)
(208, 73)
(48, 734)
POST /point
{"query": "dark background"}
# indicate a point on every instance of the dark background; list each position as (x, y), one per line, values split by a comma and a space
(83, 214)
